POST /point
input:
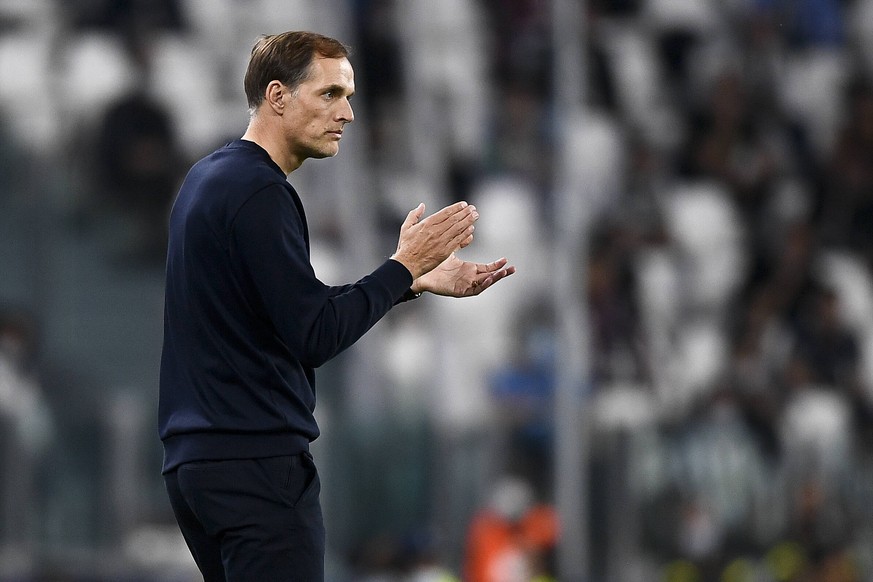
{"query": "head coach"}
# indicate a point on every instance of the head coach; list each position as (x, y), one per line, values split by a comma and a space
(247, 321)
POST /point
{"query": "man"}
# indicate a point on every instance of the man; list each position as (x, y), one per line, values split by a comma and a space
(247, 321)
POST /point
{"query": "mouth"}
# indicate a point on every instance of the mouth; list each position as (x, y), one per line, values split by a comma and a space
(337, 134)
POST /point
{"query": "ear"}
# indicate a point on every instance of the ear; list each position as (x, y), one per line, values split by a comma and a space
(275, 96)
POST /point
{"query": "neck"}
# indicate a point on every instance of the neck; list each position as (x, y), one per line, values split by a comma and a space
(268, 136)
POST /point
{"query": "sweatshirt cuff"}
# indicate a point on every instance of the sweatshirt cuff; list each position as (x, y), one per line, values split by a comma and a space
(396, 278)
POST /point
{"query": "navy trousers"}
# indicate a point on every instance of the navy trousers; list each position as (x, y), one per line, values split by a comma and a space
(251, 519)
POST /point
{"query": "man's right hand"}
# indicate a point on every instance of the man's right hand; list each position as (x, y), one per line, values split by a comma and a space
(424, 244)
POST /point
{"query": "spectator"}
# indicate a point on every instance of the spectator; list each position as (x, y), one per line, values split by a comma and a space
(134, 21)
(828, 346)
(511, 538)
(523, 395)
(138, 169)
(26, 428)
(847, 202)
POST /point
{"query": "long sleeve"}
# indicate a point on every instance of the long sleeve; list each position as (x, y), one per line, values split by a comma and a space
(315, 321)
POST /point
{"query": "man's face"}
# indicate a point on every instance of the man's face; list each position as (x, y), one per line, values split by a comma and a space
(319, 108)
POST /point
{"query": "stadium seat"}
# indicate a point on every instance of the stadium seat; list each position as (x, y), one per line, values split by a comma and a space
(705, 225)
(95, 69)
(25, 59)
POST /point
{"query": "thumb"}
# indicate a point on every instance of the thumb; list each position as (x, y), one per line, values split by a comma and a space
(413, 217)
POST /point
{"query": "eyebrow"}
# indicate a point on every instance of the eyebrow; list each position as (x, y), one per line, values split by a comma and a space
(337, 89)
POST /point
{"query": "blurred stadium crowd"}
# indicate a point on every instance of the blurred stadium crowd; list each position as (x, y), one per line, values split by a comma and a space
(723, 159)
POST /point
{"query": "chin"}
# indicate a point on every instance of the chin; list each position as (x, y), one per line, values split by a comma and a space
(325, 153)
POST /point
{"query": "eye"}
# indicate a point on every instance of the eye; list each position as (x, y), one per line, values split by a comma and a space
(329, 95)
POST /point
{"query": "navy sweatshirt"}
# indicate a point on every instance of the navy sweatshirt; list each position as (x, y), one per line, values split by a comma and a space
(246, 321)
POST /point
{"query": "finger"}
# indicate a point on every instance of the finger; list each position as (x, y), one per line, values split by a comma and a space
(491, 267)
(480, 285)
(457, 211)
(413, 217)
(502, 274)
(463, 225)
(461, 239)
(485, 269)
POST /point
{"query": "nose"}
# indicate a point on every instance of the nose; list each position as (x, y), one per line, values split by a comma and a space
(346, 114)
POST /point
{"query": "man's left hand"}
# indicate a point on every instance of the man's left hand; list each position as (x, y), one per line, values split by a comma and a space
(457, 278)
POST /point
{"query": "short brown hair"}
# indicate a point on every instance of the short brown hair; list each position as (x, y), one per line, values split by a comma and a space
(286, 57)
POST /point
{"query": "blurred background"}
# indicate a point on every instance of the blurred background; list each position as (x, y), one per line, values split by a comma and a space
(676, 386)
